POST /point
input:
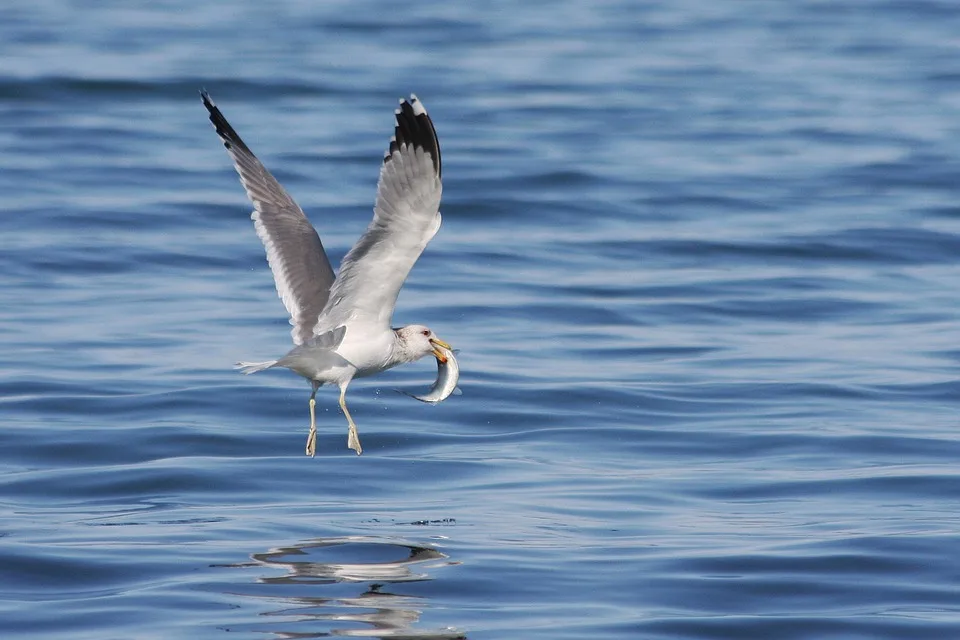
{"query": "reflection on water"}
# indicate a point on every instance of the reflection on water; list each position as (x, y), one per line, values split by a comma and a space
(318, 587)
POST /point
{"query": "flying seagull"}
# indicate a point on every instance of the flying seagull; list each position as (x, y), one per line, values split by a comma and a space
(341, 324)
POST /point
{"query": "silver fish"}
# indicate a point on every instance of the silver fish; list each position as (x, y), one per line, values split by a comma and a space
(448, 374)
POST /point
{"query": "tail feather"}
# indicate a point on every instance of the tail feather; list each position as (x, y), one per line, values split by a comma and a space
(252, 367)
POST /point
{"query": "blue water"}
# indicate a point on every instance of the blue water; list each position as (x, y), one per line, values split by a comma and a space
(700, 260)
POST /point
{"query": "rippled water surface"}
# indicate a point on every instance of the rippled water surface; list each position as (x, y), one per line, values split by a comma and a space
(700, 260)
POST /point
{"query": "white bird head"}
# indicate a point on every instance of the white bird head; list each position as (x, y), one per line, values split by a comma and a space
(420, 341)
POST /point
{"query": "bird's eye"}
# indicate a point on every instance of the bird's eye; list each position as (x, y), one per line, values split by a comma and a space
(426, 332)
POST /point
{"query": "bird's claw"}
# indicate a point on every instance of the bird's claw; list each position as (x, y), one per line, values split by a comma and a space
(353, 442)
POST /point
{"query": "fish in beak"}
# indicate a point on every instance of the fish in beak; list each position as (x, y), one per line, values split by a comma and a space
(439, 355)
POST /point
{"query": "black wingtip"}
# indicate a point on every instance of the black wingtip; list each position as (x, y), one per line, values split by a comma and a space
(415, 127)
(227, 134)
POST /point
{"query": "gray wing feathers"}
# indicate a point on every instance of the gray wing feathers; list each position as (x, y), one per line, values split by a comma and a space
(406, 216)
(300, 266)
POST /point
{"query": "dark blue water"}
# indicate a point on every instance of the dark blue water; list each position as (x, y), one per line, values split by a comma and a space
(700, 259)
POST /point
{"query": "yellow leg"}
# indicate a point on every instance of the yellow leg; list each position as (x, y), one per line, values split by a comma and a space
(353, 440)
(312, 435)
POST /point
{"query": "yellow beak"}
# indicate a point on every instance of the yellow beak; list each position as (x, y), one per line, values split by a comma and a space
(439, 354)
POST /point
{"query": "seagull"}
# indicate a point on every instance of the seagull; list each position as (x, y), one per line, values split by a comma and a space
(341, 324)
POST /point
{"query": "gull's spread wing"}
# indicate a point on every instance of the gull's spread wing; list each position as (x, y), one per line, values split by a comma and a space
(406, 216)
(300, 266)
